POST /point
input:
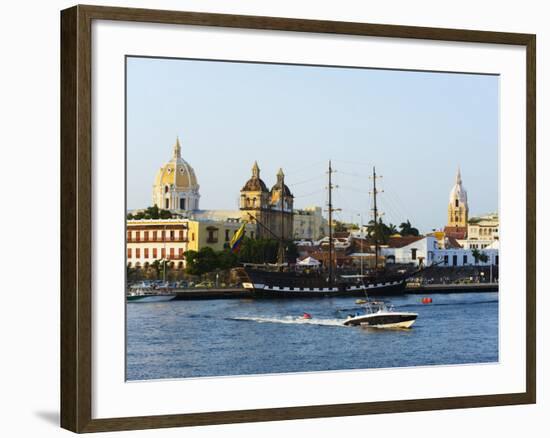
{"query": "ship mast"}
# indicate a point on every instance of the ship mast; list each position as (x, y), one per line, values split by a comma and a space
(281, 254)
(330, 211)
(375, 214)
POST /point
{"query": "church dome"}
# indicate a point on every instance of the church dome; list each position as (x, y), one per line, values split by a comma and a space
(255, 183)
(175, 186)
(458, 192)
(279, 183)
(177, 173)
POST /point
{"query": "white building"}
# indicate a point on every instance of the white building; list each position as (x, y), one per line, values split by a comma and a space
(427, 251)
(309, 224)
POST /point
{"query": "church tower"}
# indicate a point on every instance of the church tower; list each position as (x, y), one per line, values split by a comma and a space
(282, 207)
(457, 211)
(255, 201)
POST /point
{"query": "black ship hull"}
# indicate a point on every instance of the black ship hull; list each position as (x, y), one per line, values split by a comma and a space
(266, 284)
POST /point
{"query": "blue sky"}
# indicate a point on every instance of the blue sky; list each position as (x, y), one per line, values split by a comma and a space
(415, 127)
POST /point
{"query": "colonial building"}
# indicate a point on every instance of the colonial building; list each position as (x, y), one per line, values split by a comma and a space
(309, 224)
(175, 187)
(270, 210)
(148, 240)
(457, 211)
(157, 239)
(482, 232)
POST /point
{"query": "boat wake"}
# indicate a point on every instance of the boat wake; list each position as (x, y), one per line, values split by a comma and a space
(291, 320)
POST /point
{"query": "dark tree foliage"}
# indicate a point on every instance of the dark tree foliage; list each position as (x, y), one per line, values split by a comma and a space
(151, 213)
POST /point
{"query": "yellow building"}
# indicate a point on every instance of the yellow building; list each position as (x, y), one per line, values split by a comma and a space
(215, 234)
(175, 187)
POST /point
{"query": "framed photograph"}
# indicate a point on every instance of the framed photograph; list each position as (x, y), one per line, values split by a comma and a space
(271, 218)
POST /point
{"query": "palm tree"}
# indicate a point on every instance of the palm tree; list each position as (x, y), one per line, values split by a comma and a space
(392, 229)
(408, 230)
(476, 255)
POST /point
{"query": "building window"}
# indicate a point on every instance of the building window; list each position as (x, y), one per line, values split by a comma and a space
(171, 234)
(465, 260)
(456, 202)
(212, 235)
(129, 255)
(163, 253)
(129, 236)
(166, 203)
(137, 236)
(138, 253)
(446, 260)
(171, 253)
(162, 235)
(227, 235)
(180, 253)
(155, 253)
(413, 253)
(146, 253)
(154, 236)
(182, 204)
(165, 189)
(192, 237)
(146, 236)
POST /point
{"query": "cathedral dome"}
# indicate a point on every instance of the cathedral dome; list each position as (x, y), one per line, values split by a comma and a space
(458, 193)
(255, 183)
(177, 173)
(175, 186)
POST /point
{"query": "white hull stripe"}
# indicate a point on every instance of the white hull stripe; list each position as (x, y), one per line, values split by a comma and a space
(259, 286)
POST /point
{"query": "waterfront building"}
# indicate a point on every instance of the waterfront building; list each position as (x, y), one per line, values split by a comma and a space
(175, 187)
(426, 251)
(457, 210)
(270, 210)
(309, 224)
(148, 240)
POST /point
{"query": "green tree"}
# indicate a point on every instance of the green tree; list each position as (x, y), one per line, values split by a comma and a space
(476, 255)
(484, 258)
(151, 213)
(408, 230)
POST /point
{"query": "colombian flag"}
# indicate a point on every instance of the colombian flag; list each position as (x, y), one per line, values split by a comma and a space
(237, 239)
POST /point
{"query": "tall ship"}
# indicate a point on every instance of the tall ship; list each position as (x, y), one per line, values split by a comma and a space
(282, 280)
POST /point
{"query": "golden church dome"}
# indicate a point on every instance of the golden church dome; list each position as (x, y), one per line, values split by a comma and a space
(175, 186)
(177, 173)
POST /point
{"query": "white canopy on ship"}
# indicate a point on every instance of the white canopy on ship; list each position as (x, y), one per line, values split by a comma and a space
(308, 261)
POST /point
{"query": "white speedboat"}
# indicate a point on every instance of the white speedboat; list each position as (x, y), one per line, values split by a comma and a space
(379, 315)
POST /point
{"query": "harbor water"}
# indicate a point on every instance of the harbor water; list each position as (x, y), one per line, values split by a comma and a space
(178, 339)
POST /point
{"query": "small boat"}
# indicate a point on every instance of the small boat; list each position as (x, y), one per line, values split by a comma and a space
(148, 295)
(360, 301)
(379, 315)
(306, 316)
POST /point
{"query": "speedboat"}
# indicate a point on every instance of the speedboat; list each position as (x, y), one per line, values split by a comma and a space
(379, 315)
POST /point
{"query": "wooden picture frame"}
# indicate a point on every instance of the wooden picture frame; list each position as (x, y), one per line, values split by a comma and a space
(76, 218)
